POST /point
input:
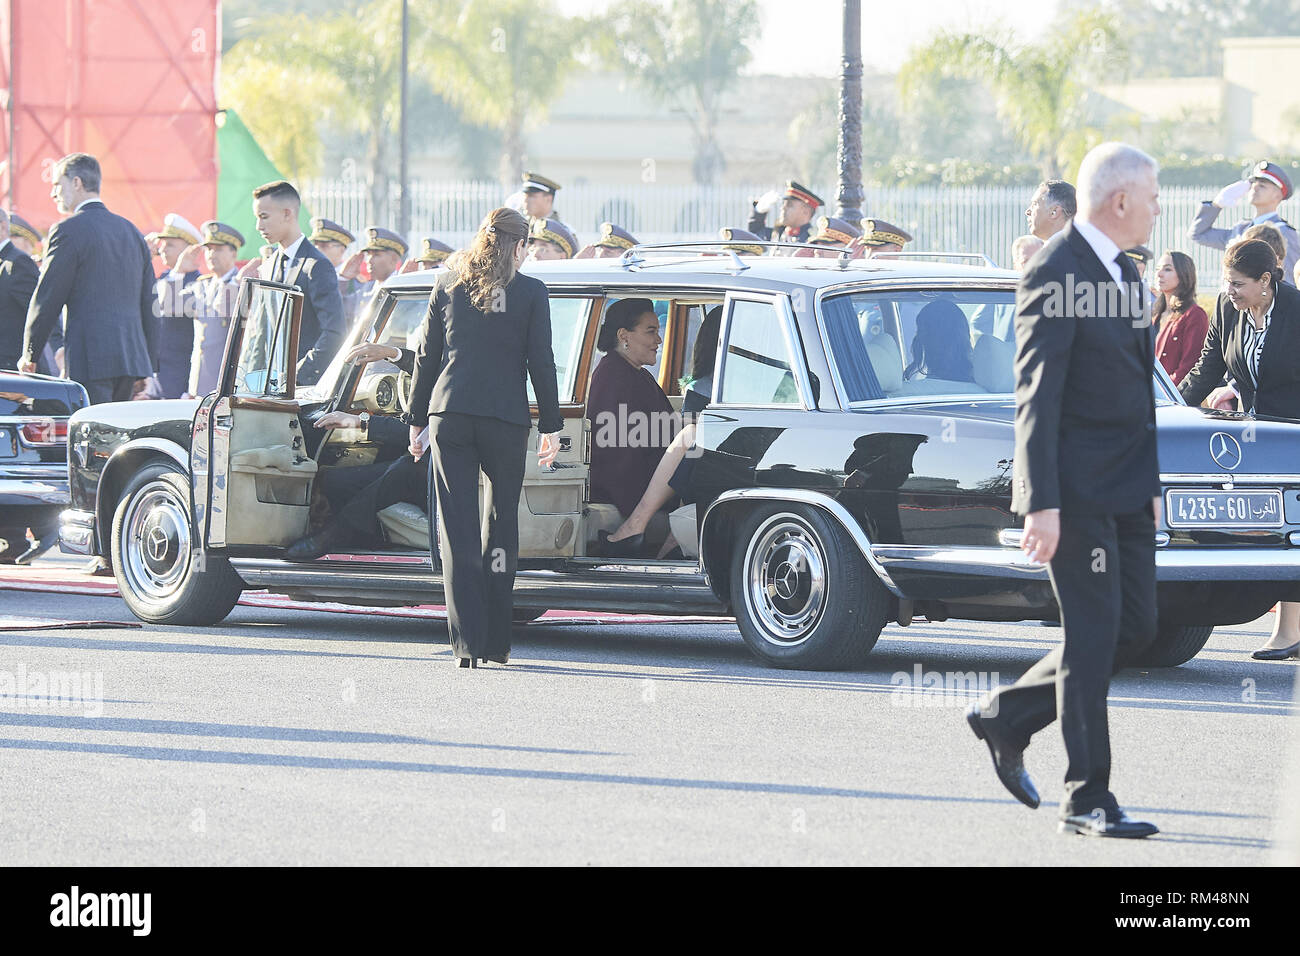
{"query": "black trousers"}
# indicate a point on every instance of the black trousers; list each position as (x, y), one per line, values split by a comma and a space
(119, 389)
(1104, 577)
(478, 557)
(358, 494)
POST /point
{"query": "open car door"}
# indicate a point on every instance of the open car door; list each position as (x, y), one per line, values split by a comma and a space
(251, 471)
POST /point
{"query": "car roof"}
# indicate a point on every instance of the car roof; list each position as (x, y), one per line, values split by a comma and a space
(688, 269)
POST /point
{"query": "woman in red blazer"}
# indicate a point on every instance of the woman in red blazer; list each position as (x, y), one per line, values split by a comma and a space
(1182, 323)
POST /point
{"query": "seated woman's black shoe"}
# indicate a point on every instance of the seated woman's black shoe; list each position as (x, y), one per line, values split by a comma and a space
(467, 662)
(628, 547)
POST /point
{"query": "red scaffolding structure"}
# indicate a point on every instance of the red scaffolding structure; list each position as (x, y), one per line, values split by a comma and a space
(132, 83)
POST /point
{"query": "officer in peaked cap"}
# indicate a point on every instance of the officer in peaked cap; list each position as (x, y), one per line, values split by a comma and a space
(214, 304)
(1268, 185)
(613, 242)
(741, 240)
(25, 237)
(550, 239)
(880, 237)
(799, 205)
(539, 196)
(835, 234)
(432, 253)
(384, 251)
(179, 245)
(331, 239)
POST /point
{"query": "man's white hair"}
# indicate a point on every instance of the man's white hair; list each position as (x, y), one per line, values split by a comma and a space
(1108, 169)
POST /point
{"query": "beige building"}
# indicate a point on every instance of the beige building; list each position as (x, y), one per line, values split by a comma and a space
(606, 129)
(1252, 109)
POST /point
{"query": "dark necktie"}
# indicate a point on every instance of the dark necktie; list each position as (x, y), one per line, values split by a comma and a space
(1128, 269)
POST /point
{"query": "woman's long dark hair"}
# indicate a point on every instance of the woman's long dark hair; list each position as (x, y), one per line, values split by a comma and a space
(941, 347)
(1184, 296)
(488, 265)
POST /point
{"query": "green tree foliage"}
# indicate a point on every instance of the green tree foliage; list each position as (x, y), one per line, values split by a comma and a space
(1181, 37)
(687, 54)
(1041, 90)
(502, 63)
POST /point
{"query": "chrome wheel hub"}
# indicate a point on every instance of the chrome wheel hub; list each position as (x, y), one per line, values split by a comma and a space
(156, 541)
(785, 579)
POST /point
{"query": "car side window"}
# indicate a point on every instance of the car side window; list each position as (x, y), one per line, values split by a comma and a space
(569, 316)
(757, 367)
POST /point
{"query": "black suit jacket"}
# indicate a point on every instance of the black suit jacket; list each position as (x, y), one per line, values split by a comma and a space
(1279, 362)
(97, 265)
(322, 330)
(1085, 405)
(474, 362)
(18, 275)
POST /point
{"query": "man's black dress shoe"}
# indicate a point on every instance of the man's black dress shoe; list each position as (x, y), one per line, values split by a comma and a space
(1276, 653)
(1112, 823)
(628, 547)
(314, 545)
(1008, 759)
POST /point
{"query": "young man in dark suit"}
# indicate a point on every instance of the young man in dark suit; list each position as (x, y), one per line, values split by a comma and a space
(18, 275)
(1087, 481)
(96, 265)
(297, 262)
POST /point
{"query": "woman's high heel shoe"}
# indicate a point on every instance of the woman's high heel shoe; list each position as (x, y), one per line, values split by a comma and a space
(628, 547)
(1277, 653)
(467, 662)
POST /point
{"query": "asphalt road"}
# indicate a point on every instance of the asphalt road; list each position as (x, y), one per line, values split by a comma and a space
(295, 737)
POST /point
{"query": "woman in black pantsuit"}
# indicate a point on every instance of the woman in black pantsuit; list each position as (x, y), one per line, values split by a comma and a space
(486, 329)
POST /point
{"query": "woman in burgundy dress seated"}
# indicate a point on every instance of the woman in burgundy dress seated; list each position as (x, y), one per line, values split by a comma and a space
(632, 421)
(1181, 322)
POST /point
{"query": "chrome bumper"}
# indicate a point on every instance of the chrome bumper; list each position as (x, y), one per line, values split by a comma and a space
(1182, 564)
(27, 492)
(77, 532)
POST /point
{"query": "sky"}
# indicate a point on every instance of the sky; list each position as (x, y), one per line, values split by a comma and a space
(802, 37)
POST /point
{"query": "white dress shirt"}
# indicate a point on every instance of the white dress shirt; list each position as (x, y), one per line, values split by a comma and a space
(1103, 245)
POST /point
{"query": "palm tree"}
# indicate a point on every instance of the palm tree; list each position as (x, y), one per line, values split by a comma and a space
(502, 63)
(1041, 90)
(687, 55)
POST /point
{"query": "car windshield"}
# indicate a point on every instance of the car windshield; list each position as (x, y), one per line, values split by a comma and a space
(943, 342)
(326, 384)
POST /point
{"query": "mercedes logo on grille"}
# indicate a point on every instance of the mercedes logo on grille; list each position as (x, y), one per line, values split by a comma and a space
(1225, 451)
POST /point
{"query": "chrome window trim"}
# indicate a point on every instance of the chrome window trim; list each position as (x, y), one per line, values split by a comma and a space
(794, 346)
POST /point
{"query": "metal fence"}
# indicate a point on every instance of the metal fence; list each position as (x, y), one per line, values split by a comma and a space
(984, 219)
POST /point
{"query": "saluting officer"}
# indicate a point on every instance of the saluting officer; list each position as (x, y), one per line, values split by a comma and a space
(18, 277)
(550, 239)
(613, 242)
(1267, 187)
(741, 240)
(333, 241)
(433, 253)
(178, 245)
(834, 234)
(798, 206)
(384, 251)
(880, 237)
(26, 238)
(214, 304)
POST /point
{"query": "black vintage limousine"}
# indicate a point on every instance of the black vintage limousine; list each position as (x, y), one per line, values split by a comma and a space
(838, 491)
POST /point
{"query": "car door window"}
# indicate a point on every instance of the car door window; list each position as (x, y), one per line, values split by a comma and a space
(569, 316)
(265, 363)
(758, 368)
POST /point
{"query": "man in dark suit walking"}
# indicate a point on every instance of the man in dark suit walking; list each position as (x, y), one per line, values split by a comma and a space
(18, 275)
(1086, 479)
(297, 262)
(97, 266)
